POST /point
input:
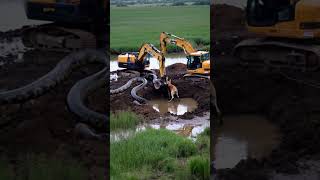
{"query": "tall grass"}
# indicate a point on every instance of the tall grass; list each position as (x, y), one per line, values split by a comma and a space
(41, 167)
(5, 171)
(148, 152)
(203, 142)
(199, 167)
(124, 120)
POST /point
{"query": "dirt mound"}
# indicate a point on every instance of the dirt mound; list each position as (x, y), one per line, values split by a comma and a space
(228, 28)
(226, 19)
(176, 69)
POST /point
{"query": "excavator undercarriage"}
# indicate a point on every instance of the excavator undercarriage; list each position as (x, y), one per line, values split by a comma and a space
(279, 54)
(55, 38)
(76, 24)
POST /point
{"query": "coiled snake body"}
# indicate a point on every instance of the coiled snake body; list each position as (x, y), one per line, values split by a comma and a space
(77, 95)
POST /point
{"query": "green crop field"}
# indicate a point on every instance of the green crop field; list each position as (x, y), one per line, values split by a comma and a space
(134, 25)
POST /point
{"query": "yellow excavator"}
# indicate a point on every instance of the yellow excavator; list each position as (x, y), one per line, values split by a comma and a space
(77, 24)
(290, 31)
(140, 60)
(198, 62)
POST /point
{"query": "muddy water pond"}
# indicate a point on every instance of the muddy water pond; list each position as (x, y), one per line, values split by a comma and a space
(176, 106)
(243, 136)
(154, 64)
(187, 128)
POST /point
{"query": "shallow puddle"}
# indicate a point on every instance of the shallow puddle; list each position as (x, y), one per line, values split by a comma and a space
(177, 106)
(241, 137)
(187, 128)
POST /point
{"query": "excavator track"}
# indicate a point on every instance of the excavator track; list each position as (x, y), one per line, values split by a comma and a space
(54, 38)
(278, 54)
(196, 76)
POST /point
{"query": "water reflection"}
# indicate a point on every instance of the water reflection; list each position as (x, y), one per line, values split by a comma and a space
(177, 106)
(241, 137)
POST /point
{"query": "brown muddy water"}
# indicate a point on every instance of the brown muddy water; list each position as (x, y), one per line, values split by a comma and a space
(177, 106)
(241, 137)
(187, 128)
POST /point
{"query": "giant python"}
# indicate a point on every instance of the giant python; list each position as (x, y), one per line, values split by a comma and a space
(156, 82)
(89, 122)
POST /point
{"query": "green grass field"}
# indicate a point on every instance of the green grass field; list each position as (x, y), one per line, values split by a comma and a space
(133, 26)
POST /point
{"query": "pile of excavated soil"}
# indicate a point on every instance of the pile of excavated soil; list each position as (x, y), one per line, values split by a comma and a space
(226, 20)
(228, 27)
(195, 88)
(45, 124)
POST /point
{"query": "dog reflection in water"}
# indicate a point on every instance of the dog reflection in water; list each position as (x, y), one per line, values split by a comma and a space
(185, 131)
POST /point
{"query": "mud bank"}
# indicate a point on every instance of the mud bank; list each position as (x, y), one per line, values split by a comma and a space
(228, 27)
(289, 99)
(195, 88)
(45, 125)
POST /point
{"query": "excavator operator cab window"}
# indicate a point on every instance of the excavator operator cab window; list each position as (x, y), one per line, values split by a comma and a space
(285, 11)
(194, 62)
(205, 57)
(268, 12)
(146, 60)
(260, 13)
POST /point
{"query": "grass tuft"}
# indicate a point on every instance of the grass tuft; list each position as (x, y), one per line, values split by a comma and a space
(168, 165)
(199, 167)
(124, 120)
(5, 171)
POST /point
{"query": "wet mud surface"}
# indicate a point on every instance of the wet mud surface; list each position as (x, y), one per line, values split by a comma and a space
(290, 100)
(45, 125)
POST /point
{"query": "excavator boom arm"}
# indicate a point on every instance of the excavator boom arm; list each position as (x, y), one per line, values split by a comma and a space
(167, 38)
(152, 50)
